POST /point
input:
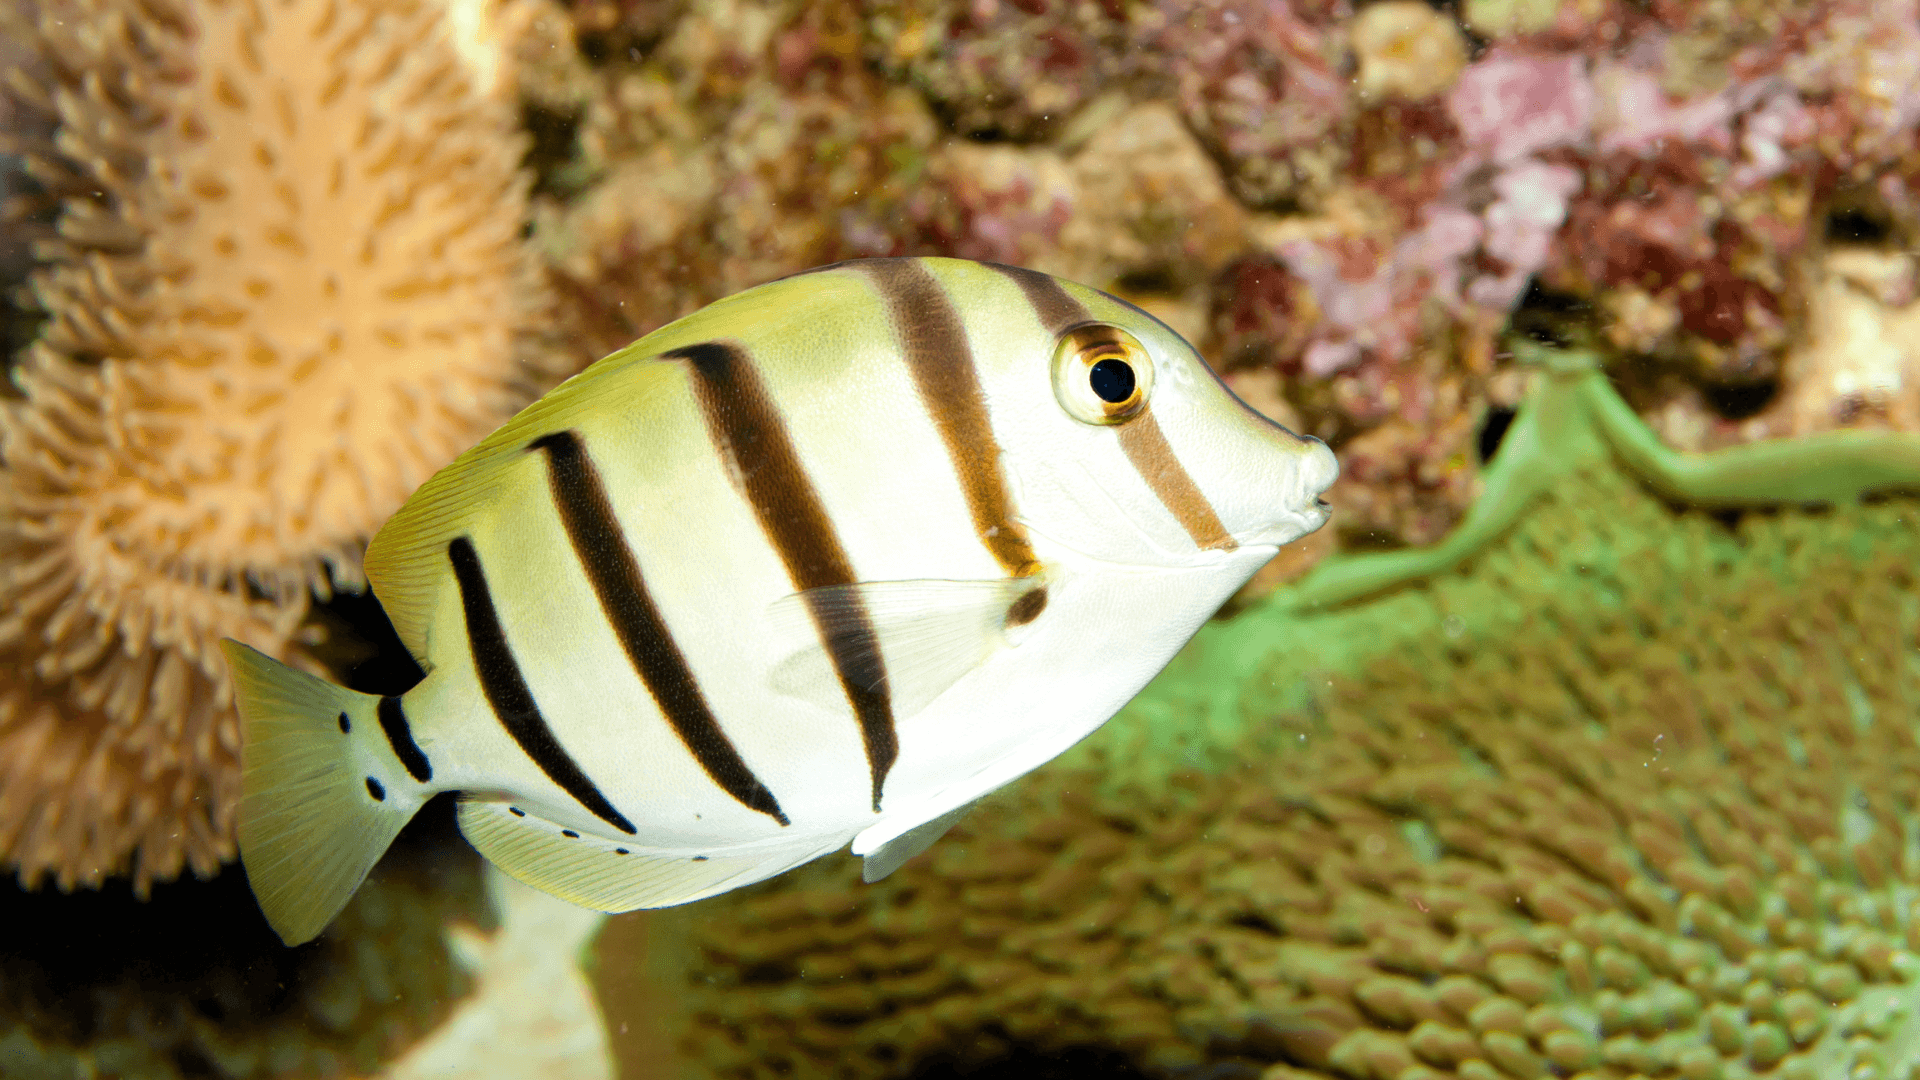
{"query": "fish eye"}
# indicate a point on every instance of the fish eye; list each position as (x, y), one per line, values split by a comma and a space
(1112, 380)
(1101, 374)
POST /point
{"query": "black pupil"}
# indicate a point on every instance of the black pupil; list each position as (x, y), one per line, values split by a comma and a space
(1112, 380)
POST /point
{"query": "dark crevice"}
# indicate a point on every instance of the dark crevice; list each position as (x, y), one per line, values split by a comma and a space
(359, 645)
(554, 149)
(1737, 401)
(1253, 920)
(1026, 1063)
(74, 959)
(1148, 281)
(770, 973)
(1492, 430)
(20, 317)
(621, 31)
(1857, 225)
(1550, 317)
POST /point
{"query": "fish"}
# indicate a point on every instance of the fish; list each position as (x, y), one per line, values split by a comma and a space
(820, 564)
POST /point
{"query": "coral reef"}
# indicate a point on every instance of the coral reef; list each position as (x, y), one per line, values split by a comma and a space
(283, 281)
(1573, 421)
(1357, 197)
(193, 984)
(1630, 796)
(1017, 70)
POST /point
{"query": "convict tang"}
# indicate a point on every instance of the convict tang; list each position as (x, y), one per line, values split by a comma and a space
(825, 561)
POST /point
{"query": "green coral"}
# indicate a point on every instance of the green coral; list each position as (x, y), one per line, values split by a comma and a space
(1572, 423)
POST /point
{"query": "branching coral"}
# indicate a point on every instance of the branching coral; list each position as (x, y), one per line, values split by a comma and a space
(285, 283)
(1630, 798)
(1574, 421)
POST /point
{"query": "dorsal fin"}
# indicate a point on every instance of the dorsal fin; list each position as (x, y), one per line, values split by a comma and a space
(407, 559)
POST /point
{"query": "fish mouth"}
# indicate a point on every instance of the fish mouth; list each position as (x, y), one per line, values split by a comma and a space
(1291, 527)
(1307, 510)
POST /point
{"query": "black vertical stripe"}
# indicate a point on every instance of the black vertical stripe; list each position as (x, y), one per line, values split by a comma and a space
(938, 354)
(507, 689)
(1056, 308)
(750, 435)
(393, 721)
(610, 565)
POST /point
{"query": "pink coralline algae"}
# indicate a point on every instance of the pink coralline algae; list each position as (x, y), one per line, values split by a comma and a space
(1510, 104)
(1610, 174)
(1474, 245)
(1261, 83)
(1662, 168)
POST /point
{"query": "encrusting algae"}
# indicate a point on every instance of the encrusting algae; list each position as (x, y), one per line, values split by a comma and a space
(1633, 794)
(283, 281)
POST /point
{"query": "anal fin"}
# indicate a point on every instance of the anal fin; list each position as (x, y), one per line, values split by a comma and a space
(606, 875)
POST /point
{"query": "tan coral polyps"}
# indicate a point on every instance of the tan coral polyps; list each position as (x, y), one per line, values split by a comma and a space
(287, 284)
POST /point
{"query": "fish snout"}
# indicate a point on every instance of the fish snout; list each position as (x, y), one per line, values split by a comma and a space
(1309, 468)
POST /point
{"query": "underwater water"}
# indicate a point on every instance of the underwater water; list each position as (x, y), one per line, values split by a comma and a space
(1580, 742)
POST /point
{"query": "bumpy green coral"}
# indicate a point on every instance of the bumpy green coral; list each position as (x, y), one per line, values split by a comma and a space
(1572, 423)
(1633, 791)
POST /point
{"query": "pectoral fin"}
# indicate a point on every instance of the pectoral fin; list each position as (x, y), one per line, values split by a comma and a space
(930, 632)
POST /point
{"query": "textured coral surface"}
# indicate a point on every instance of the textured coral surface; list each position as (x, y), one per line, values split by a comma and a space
(1649, 815)
(282, 282)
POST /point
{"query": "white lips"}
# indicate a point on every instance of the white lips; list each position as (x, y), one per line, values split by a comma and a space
(1314, 473)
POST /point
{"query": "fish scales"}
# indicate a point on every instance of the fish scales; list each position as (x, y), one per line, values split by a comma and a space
(824, 561)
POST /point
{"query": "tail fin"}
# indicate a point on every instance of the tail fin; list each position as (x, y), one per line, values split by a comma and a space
(314, 817)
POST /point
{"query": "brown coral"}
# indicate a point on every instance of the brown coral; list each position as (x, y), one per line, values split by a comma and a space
(285, 286)
(1622, 835)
